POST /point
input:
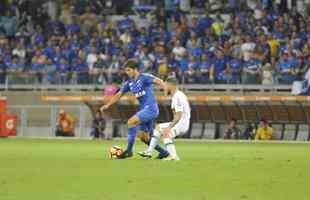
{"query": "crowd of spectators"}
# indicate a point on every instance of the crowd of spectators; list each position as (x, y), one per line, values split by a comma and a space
(76, 42)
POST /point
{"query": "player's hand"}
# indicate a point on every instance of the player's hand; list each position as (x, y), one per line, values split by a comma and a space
(166, 132)
(104, 107)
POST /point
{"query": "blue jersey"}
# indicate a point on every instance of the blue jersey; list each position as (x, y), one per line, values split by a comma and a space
(142, 89)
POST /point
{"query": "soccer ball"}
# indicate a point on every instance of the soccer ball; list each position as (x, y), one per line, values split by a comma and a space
(115, 151)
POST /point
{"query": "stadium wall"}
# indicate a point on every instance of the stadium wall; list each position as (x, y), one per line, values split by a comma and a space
(290, 118)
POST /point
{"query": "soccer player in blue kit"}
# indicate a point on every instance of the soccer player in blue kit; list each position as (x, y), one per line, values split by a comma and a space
(141, 85)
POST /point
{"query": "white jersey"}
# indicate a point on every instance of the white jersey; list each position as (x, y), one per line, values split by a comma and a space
(180, 104)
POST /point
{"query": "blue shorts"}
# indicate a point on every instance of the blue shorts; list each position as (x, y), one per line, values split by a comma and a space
(147, 117)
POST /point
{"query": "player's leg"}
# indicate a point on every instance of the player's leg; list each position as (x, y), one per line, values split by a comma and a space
(147, 118)
(169, 143)
(132, 124)
(163, 153)
(156, 136)
(154, 141)
(146, 132)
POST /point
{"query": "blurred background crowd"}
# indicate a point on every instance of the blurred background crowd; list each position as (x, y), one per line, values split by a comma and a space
(202, 41)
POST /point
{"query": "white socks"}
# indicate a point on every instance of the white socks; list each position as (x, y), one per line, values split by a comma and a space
(154, 141)
(171, 148)
(168, 143)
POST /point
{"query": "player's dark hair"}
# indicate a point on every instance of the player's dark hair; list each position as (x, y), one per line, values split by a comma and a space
(132, 63)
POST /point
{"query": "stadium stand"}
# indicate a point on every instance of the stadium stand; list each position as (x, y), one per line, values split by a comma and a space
(77, 42)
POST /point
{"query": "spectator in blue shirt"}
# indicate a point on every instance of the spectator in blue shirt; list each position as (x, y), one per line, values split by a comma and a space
(143, 38)
(182, 69)
(49, 72)
(49, 49)
(15, 70)
(219, 68)
(37, 68)
(204, 70)
(80, 70)
(66, 51)
(126, 22)
(195, 50)
(74, 27)
(194, 27)
(205, 22)
(235, 68)
(146, 58)
(191, 75)
(63, 71)
(287, 68)
(101, 70)
(57, 56)
(115, 68)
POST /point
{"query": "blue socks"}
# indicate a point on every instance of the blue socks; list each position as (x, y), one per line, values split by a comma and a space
(132, 132)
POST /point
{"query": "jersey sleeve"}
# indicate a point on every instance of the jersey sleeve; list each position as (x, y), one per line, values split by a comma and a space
(125, 88)
(148, 79)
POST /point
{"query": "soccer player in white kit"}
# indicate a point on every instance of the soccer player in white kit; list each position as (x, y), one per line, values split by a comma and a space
(179, 125)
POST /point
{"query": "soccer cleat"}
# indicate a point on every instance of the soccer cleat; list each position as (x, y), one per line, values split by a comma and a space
(145, 154)
(125, 154)
(162, 155)
(169, 158)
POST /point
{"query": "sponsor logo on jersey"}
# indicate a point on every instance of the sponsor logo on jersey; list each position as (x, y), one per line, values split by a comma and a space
(140, 94)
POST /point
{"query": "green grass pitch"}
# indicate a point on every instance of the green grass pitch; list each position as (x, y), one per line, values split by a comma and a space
(80, 170)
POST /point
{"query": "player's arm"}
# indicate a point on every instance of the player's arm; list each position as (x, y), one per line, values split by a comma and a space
(115, 98)
(112, 101)
(150, 79)
(176, 118)
(161, 83)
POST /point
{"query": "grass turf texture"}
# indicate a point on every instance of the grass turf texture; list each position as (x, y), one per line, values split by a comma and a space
(79, 169)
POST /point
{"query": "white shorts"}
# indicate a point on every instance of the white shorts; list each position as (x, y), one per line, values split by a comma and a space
(178, 129)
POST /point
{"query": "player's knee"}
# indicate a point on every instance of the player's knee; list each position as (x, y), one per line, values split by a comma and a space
(168, 141)
(132, 122)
